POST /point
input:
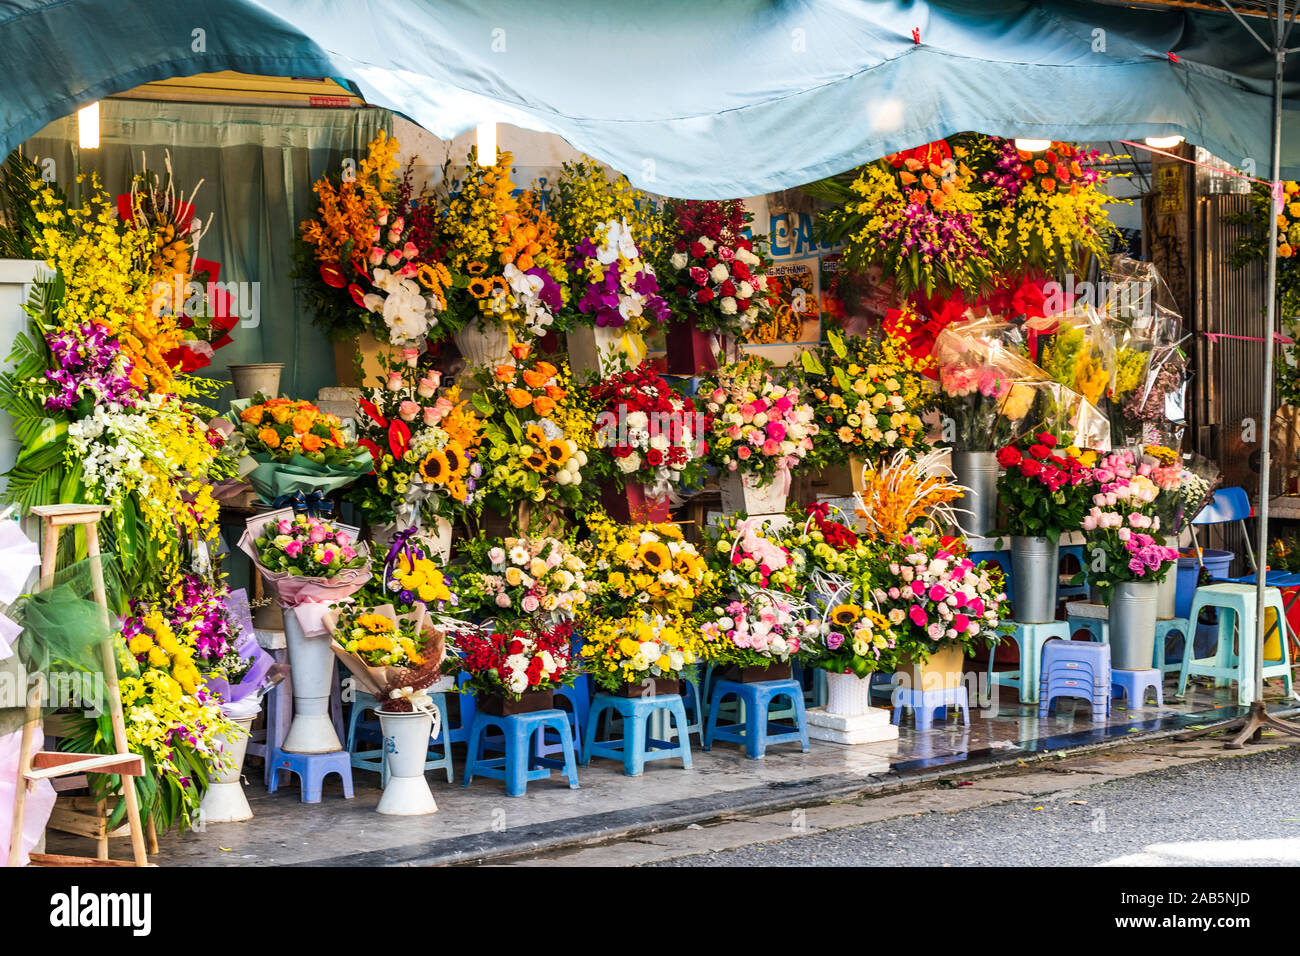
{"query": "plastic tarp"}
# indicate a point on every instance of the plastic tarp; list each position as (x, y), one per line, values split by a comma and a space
(690, 99)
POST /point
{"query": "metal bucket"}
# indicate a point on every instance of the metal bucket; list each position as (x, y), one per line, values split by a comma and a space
(1035, 572)
(1133, 625)
(977, 471)
(1167, 596)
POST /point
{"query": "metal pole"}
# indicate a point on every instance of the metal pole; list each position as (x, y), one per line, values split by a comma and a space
(1279, 58)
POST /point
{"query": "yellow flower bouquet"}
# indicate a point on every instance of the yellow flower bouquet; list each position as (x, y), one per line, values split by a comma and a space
(645, 565)
(623, 654)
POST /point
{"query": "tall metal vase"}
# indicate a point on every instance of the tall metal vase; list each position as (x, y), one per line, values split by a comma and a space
(1166, 602)
(977, 471)
(1133, 625)
(1035, 572)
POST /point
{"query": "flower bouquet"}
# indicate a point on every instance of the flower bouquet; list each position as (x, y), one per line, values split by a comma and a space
(514, 670)
(757, 432)
(423, 442)
(716, 279)
(643, 565)
(515, 578)
(297, 447)
(854, 639)
(363, 265)
(384, 649)
(642, 653)
(919, 216)
(617, 298)
(758, 638)
(939, 602)
(536, 435)
(648, 440)
(511, 282)
(868, 399)
(754, 554)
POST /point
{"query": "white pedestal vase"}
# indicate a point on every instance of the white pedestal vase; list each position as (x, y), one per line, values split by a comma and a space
(483, 344)
(406, 748)
(752, 494)
(225, 801)
(311, 669)
(848, 717)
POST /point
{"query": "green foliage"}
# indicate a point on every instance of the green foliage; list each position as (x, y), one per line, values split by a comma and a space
(18, 225)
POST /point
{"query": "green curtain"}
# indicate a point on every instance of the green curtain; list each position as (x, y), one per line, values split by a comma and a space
(257, 164)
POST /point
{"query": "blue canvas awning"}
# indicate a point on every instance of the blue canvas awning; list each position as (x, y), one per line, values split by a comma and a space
(689, 99)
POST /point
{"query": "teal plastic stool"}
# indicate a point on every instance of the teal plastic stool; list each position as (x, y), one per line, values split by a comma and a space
(1236, 606)
(692, 699)
(374, 759)
(636, 746)
(1173, 625)
(1030, 638)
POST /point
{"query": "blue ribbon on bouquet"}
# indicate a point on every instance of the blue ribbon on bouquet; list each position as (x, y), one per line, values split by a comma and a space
(314, 505)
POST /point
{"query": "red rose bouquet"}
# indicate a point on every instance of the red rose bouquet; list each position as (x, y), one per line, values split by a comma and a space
(1046, 493)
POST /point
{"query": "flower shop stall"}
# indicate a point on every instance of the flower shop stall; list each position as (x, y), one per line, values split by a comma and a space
(556, 514)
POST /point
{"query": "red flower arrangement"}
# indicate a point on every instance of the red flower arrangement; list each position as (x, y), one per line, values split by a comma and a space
(834, 533)
(511, 661)
(1046, 493)
(651, 433)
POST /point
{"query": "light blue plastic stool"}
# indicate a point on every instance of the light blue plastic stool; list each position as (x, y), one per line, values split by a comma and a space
(692, 678)
(1074, 551)
(1173, 625)
(521, 763)
(1134, 685)
(311, 770)
(374, 759)
(1075, 669)
(924, 703)
(579, 698)
(1030, 638)
(1236, 606)
(757, 730)
(636, 746)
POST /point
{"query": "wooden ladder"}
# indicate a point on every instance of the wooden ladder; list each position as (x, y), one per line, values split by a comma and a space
(45, 764)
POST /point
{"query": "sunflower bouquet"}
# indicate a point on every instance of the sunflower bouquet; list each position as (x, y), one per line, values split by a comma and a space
(424, 442)
(644, 565)
(622, 652)
(536, 434)
(854, 638)
(296, 446)
(384, 649)
(868, 397)
(524, 577)
(504, 252)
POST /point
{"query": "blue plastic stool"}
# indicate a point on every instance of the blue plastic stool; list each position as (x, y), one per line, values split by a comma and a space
(1135, 684)
(312, 769)
(1173, 625)
(1030, 638)
(1064, 590)
(367, 730)
(520, 763)
(636, 746)
(1093, 618)
(692, 699)
(1003, 560)
(579, 698)
(1075, 669)
(757, 731)
(1239, 599)
(466, 701)
(924, 703)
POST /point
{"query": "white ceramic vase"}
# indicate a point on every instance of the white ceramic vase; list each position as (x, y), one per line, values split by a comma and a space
(225, 801)
(311, 669)
(406, 748)
(847, 695)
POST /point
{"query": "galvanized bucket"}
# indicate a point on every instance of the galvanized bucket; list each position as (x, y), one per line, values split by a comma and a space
(1167, 596)
(1035, 571)
(1133, 625)
(977, 471)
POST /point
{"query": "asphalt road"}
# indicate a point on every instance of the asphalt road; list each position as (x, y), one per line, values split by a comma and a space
(1243, 811)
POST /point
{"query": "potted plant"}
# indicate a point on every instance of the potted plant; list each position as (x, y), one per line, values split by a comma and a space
(647, 440)
(1123, 531)
(1045, 493)
(514, 669)
(853, 642)
(940, 604)
(757, 430)
(716, 281)
(757, 639)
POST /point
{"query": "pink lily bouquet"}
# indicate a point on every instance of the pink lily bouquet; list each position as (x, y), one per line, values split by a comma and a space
(1122, 522)
(933, 595)
(755, 425)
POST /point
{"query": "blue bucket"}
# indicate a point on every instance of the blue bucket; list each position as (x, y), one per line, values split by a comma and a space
(1216, 562)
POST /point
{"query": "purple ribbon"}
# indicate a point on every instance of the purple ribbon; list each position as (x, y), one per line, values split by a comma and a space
(401, 543)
